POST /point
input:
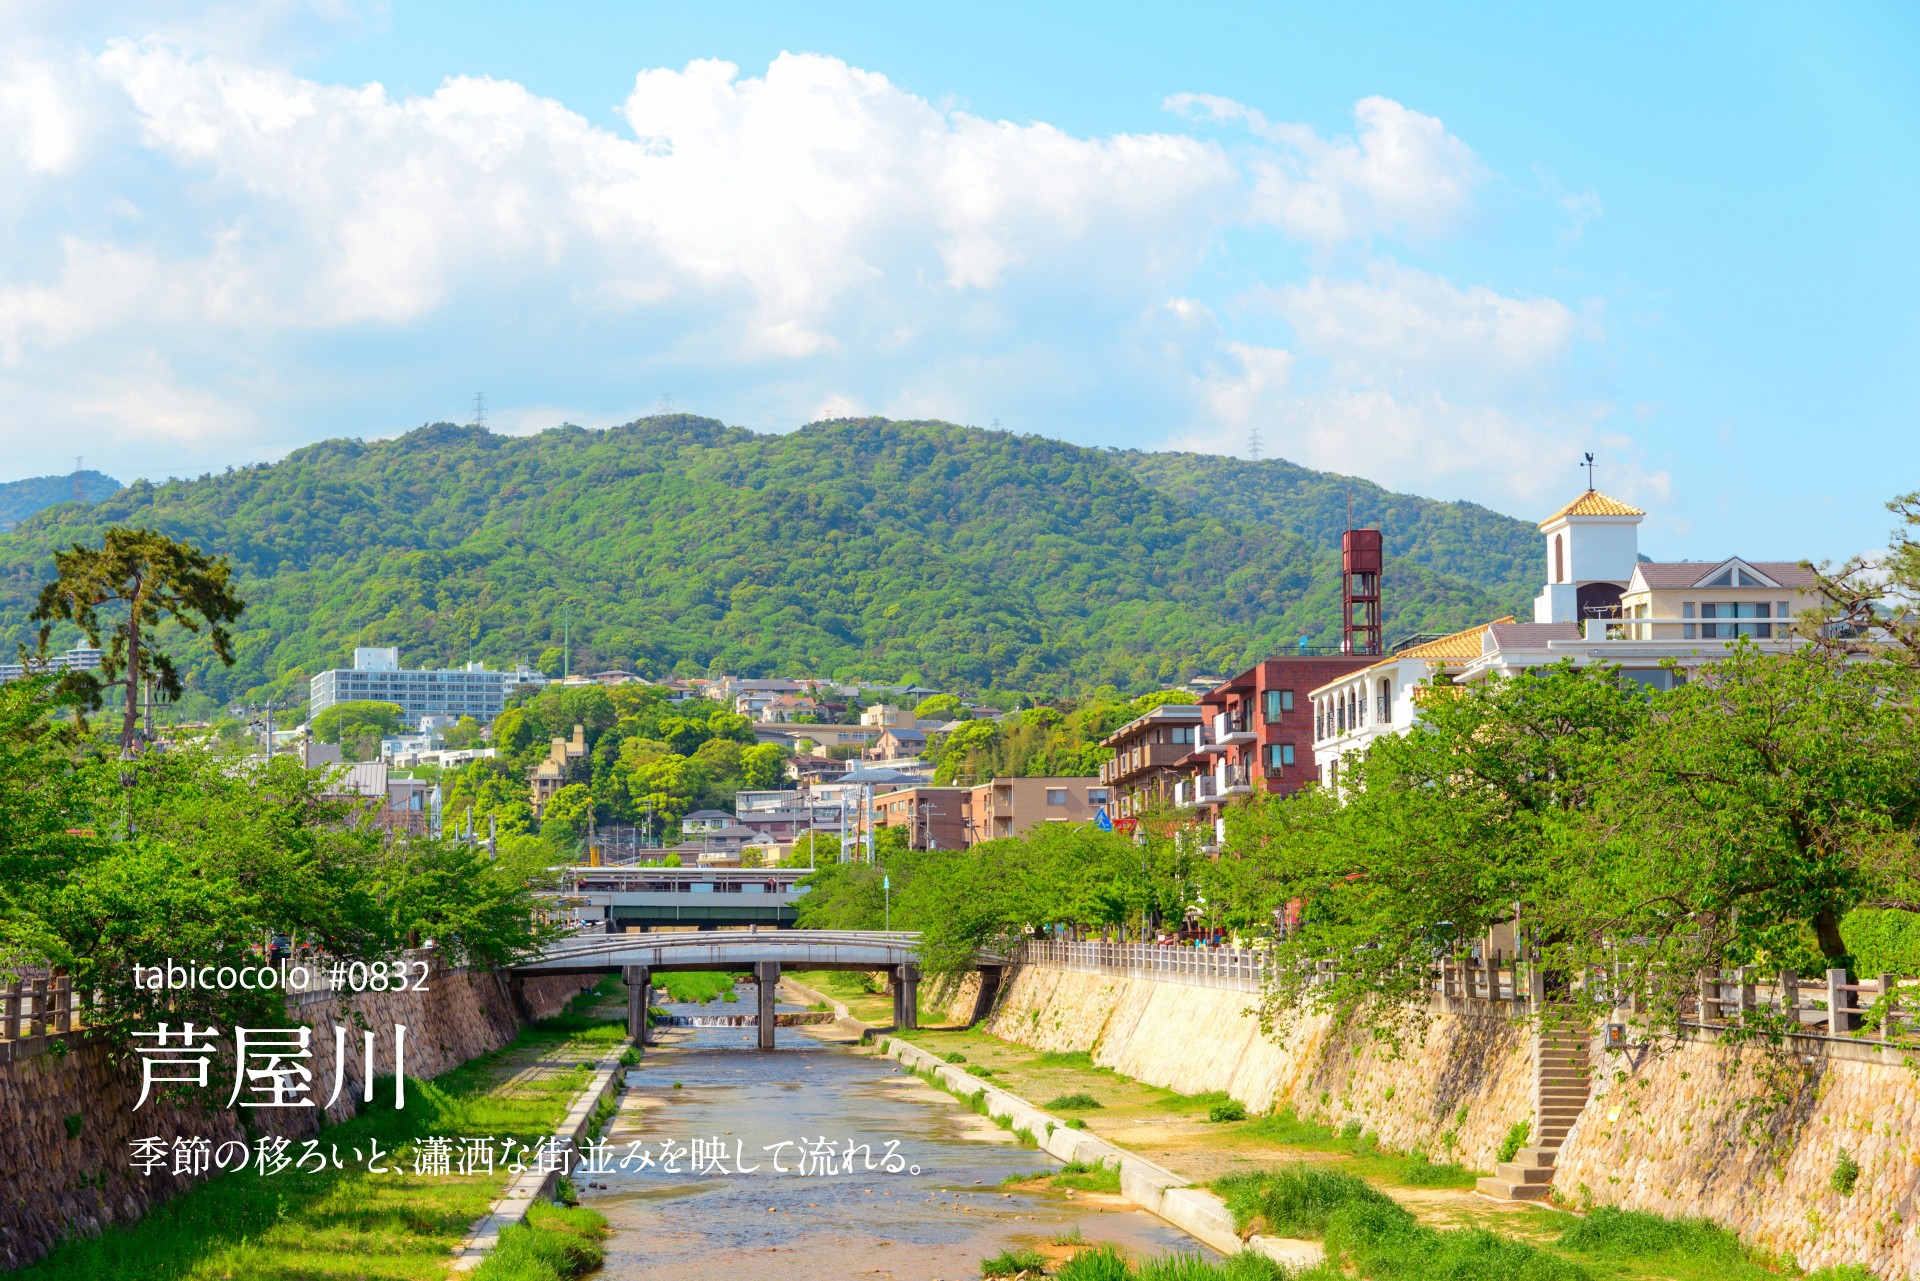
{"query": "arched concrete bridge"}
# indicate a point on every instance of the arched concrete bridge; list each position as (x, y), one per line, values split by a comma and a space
(764, 952)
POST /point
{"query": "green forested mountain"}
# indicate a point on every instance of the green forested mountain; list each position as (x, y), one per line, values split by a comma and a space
(20, 499)
(856, 548)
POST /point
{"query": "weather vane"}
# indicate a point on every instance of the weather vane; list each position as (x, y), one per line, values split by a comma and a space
(1589, 466)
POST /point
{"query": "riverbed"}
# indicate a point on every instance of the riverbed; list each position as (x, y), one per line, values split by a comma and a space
(927, 1208)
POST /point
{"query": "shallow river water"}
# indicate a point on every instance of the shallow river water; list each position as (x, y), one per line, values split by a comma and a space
(937, 1223)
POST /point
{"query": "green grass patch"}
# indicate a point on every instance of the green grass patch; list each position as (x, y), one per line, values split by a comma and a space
(297, 1225)
(1066, 1059)
(1231, 1110)
(1385, 1241)
(1089, 1176)
(1078, 1101)
(1294, 1202)
(1105, 1263)
(1413, 1169)
(1012, 1263)
(556, 1243)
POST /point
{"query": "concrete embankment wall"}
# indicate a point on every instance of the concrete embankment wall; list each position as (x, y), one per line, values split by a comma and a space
(1747, 1137)
(55, 1184)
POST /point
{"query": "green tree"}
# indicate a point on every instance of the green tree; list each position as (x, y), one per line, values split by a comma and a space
(464, 734)
(563, 820)
(1761, 802)
(1872, 602)
(138, 577)
(344, 720)
(940, 707)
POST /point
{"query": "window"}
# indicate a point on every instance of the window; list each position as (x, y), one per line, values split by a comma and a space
(1056, 796)
(1386, 700)
(1559, 558)
(1286, 700)
(1732, 609)
(1273, 706)
(1286, 753)
(1183, 733)
(1096, 796)
(1279, 756)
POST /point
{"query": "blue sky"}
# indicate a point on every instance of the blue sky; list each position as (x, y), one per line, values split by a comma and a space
(1448, 251)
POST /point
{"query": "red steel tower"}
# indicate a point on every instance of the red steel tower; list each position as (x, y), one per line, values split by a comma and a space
(1360, 591)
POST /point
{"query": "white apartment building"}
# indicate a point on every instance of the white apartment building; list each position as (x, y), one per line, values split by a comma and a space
(376, 675)
(1601, 603)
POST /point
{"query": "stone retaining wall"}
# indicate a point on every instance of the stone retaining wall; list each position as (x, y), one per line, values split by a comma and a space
(1198, 1039)
(54, 1184)
(1669, 1133)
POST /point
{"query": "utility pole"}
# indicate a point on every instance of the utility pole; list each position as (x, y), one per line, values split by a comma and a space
(866, 812)
(566, 644)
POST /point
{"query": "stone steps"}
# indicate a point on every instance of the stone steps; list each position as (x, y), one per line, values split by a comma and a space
(1562, 1084)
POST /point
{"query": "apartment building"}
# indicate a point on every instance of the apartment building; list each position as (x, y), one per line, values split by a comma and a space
(1258, 734)
(376, 676)
(935, 818)
(1147, 752)
(1004, 807)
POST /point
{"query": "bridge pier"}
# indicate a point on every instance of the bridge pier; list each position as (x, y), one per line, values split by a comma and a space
(766, 974)
(906, 997)
(639, 990)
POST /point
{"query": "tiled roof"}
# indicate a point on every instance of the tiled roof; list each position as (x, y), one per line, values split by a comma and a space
(1526, 635)
(1457, 647)
(1460, 647)
(1665, 575)
(1593, 503)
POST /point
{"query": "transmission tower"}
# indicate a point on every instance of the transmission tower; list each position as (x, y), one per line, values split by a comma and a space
(1253, 444)
(479, 409)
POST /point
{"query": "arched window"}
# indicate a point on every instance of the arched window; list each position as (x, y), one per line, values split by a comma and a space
(1559, 558)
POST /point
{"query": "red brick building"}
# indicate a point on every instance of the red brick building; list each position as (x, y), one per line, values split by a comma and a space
(1258, 731)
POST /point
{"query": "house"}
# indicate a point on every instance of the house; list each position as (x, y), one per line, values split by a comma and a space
(559, 768)
(406, 805)
(1654, 620)
(1146, 754)
(887, 716)
(783, 709)
(808, 767)
(702, 822)
(896, 743)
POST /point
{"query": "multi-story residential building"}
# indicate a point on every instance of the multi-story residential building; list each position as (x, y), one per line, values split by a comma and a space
(81, 658)
(1258, 734)
(1653, 620)
(1004, 807)
(1147, 752)
(935, 818)
(376, 676)
(896, 743)
(887, 716)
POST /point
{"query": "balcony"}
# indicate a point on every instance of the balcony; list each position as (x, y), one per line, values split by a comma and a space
(1202, 789)
(1233, 779)
(1232, 727)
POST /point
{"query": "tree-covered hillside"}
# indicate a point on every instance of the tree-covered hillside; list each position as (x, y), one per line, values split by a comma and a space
(20, 499)
(855, 548)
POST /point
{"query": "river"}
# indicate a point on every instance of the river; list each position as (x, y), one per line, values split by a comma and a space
(933, 1225)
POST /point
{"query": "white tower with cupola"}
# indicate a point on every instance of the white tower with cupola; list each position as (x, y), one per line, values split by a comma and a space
(1592, 545)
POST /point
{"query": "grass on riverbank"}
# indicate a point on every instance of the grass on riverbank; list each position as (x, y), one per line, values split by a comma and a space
(556, 1243)
(849, 988)
(699, 987)
(348, 1223)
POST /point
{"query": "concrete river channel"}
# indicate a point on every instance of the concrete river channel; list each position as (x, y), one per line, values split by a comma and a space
(937, 1223)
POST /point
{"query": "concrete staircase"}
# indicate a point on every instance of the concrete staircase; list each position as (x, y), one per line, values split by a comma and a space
(1562, 1080)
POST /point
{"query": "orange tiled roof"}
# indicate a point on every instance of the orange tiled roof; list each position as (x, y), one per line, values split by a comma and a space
(1459, 647)
(1594, 503)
